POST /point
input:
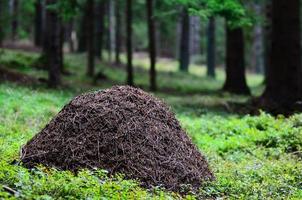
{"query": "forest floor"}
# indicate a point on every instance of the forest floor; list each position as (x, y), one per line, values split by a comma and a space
(253, 157)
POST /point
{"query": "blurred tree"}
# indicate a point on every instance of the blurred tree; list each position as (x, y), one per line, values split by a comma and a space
(267, 36)
(211, 48)
(38, 37)
(111, 29)
(152, 44)
(256, 60)
(100, 28)
(284, 75)
(1, 22)
(129, 42)
(82, 32)
(53, 44)
(184, 53)
(90, 37)
(15, 20)
(235, 66)
(118, 34)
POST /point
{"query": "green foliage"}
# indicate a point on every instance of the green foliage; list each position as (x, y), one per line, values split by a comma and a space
(233, 10)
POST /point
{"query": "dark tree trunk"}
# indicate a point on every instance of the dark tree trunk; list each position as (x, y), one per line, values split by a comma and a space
(62, 39)
(118, 36)
(235, 66)
(90, 38)
(284, 80)
(1, 23)
(129, 43)
(267, 37)
(152, 44)
(100, 29)
(38, 23)
(211, 48)
(52, 50)
(184, 57)
(82, 47)
(111, 29)
(15, 20)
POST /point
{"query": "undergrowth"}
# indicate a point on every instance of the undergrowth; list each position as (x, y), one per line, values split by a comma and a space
(253, 157)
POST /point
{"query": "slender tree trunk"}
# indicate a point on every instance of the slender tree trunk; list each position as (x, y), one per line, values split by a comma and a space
(90, 38)
(129, 43)
(195, 29)
(152, 44)
(235, 66)
(211, 48)
(118, 36)
(82, 47)
(38, 23)
(111, 28)
(257, 43)
(284, 80)
(267, 37)
(257, 50)
(1, 23)
(184, 57)
(100, 29)
(15, 20)
(52, 49)
(62, 33)
(69, 34)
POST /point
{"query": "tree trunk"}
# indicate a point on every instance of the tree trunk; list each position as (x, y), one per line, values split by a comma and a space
(62, 39)
(52, 49)
(235, 66)
(118, 36)
(195, 29)
(152, 44)
(184, 57)
(211, 48)
(15, 20)
(38, 40)
(111, 40)
(90, 38)
(82, 47)
(1, 23)
(129, 43)
(267, 37)
(69, 35)
(100, 29)
(284, 80)
(257, 50)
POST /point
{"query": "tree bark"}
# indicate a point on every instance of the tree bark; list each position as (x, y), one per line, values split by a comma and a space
(129, 43)
(52, 49)
(62, 39)
(38, 38)
(235, 66)
(111, 34)
(15, 20)
(184, 57)
(82, 47)
(118, 36)
(90, 38)
(211, 48)
(100, 29)
(284, 80)
(1, 23)
(267, 37)
(152, 44)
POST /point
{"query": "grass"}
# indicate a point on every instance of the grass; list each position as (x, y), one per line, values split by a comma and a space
(253, 157)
